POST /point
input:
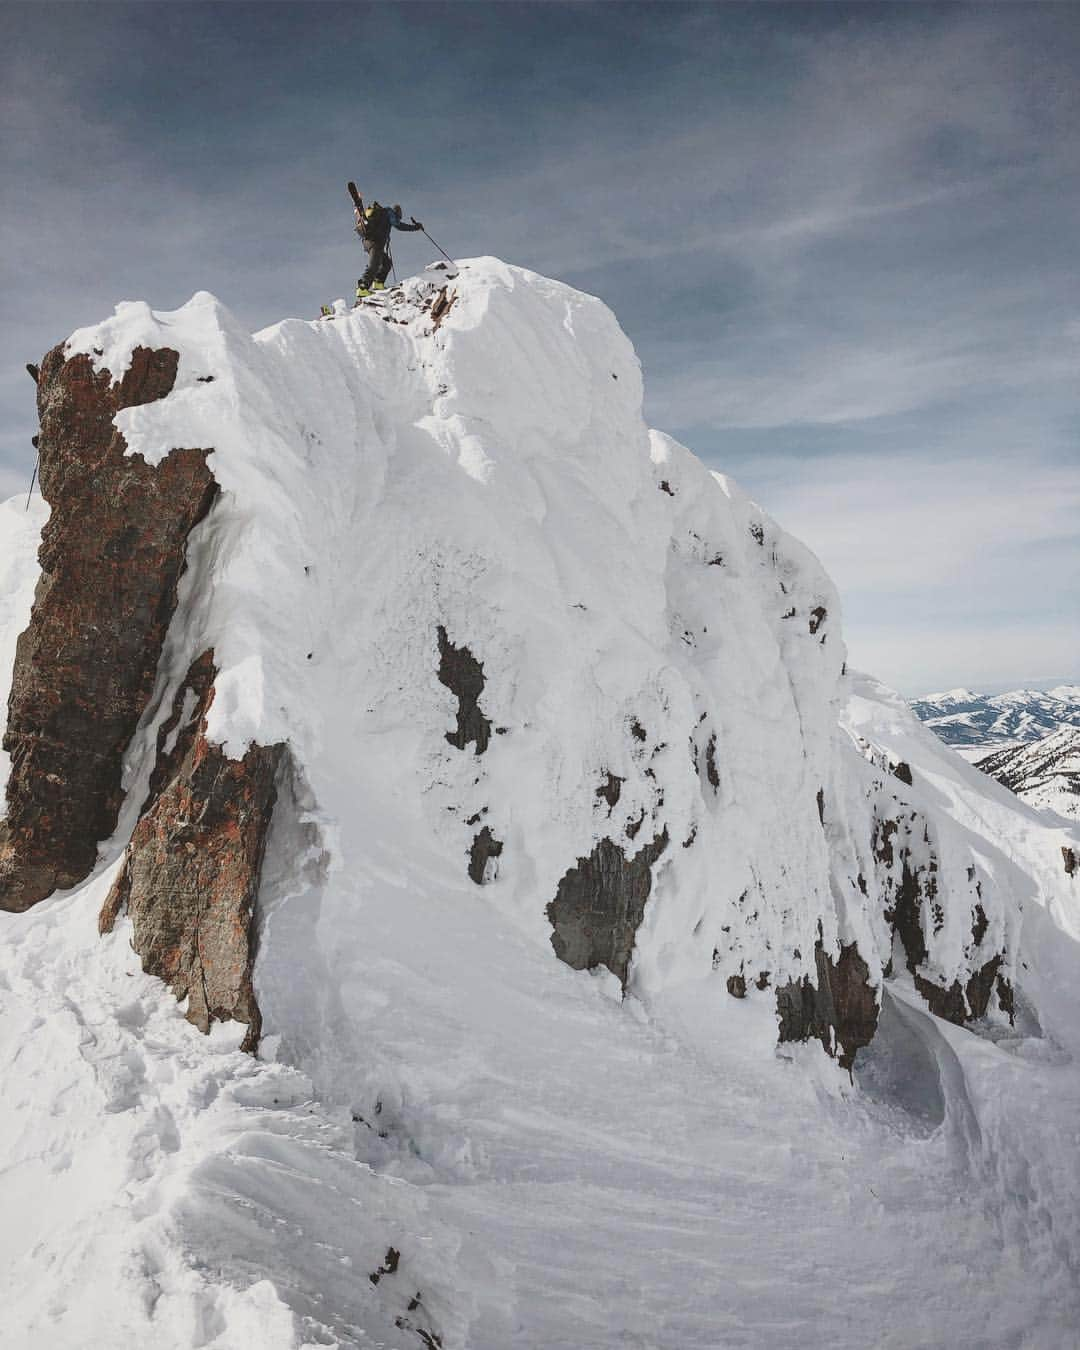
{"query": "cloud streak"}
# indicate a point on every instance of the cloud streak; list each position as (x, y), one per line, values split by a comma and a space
(965, 566)
(842, 238)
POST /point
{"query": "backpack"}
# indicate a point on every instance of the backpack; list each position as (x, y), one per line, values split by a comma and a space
(376, 223)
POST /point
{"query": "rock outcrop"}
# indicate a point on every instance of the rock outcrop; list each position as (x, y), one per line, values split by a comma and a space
(840, 1010)
(190, 876)
(599, 906)
(111, 556)
(907, 874)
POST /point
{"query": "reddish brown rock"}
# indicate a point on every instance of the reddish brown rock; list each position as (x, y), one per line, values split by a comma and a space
(111, 555)
(962, 1003)
(191, 872)
(841, 1010)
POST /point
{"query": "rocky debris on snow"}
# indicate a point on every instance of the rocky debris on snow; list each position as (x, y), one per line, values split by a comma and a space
(441, 306)
(112, 553)
(190, 875)
(389, 1265)
(711, 771)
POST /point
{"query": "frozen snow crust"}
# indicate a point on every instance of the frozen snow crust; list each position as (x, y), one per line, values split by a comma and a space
(554, 1166)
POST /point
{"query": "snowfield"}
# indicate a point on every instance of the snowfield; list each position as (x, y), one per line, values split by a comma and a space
(450, 1138)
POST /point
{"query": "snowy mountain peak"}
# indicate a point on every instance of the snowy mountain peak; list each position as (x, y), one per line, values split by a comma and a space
(950, 696)
(489, 768)
(962, 718)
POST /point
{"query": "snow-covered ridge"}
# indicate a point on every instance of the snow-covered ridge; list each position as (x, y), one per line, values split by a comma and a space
(660, 667)
(1044, 773)
(381, 482)
(661, 670)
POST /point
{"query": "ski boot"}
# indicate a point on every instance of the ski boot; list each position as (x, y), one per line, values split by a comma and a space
(378, 285)
(326, 312)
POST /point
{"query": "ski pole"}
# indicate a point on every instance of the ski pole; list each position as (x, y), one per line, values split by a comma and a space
(33, 480)
(439, 247)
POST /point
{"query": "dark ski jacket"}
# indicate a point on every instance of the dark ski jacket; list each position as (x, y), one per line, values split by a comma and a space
(393, 221)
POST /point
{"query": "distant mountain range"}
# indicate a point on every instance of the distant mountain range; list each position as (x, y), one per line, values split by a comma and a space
(963, 718)
(1046, 773)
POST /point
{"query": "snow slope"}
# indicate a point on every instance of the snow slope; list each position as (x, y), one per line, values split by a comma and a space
(1024, 844)
(449, 1133)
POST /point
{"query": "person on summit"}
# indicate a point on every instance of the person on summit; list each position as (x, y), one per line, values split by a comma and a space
(373, 225)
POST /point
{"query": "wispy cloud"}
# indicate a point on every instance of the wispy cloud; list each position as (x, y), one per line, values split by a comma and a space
(835, 232)
(964, 567)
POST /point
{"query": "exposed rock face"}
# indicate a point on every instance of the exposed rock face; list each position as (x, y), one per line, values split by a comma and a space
(191, 873)
(463, 675)
(952, 1004)
(610, 790)
(909, 888)
(111, 556)
(599, 905)
(902, 770)
(484, 850)
(841, 1010)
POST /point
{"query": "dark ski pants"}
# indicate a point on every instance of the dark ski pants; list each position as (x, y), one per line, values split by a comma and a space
(378, 268)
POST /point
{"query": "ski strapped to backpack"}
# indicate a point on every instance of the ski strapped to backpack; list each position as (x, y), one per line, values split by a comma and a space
(372, 222)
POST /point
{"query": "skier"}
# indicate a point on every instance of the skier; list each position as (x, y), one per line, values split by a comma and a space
(373, 225)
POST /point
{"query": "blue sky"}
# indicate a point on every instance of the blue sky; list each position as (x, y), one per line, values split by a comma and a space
(842, 237)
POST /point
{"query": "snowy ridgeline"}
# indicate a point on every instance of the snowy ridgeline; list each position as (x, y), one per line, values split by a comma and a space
(966, 719)
(1045, 773)
(497, 623)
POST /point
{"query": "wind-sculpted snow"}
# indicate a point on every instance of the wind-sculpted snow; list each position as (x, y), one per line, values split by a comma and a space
(394, 494)
(547, 689)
